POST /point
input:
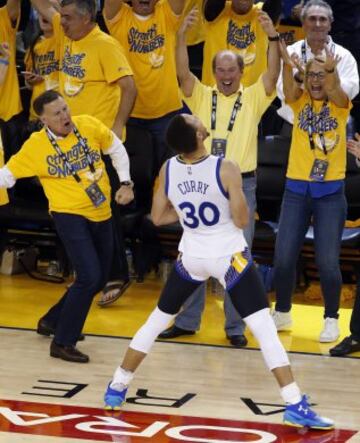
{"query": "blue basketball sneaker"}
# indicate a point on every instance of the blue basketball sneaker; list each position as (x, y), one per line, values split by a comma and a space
(301, 414)
(114, 399)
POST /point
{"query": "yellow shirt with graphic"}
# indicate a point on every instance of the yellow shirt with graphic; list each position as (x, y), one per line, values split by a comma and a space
(239, 33)
(290, 34)
(89, 70)
(37, 157)
(44, 61)
(196, 33)
(242, 140)
(4, 198)
(149, 45)
(329, 120)
(10, 103)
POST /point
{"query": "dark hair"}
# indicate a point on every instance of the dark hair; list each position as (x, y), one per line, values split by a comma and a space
(181, 136)
(44, 99)
(83, 6)
(239, 59)
(320, 4)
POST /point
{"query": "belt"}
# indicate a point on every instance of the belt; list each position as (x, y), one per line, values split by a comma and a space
(248, 174)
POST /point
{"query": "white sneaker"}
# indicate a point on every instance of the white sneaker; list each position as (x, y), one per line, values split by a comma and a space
(330, 330)
(282, 320)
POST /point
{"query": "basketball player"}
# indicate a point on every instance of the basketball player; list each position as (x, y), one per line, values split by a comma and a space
(204, 193)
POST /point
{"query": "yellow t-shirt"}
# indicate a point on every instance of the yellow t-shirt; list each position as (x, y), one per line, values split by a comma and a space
(331, 121)
(45, 62)
(239, 33)
(10, 103)
(290, 34)
(242, 140)
(4, 198)
(89, 70)
(149, 45)
(37, 157)
(196, 33)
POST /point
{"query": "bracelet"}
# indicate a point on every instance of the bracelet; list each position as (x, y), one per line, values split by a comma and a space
(330, 71)
(276, 38)
(4, 61)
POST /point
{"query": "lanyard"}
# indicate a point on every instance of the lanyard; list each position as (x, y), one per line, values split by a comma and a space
(63, 157)
(303, 51)
(236, 108)
(311, 129)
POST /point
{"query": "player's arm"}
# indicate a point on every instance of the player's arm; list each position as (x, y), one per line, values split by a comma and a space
(111, 8)
(273, 8)
(162, 212)
(185, 76)
(231, 179)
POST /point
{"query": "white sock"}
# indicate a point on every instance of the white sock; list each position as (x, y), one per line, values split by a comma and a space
(121, 379)
(291, 393)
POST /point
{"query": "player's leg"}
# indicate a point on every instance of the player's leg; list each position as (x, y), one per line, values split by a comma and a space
(248, 295)
(178, 288)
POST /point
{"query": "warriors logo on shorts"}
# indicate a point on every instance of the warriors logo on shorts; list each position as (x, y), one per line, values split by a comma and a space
(240, 261)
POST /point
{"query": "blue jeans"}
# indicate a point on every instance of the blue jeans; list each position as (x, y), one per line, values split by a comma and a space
(328, 216)
(190, 317)
(89, 246)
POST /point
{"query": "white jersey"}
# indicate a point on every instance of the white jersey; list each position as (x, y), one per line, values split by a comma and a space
(196, 192)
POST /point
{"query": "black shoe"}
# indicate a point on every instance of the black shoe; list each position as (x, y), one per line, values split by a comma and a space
(174, 332)
(68, 353)
(43, 328)
(238, 341)
(347, 346)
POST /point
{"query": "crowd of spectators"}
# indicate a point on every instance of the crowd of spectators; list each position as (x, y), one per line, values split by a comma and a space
(126, 62)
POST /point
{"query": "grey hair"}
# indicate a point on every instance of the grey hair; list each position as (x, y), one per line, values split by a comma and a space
(321, 4)
(83, 7)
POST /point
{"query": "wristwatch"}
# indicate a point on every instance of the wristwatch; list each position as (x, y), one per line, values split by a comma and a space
(129, 183)
(275, 38)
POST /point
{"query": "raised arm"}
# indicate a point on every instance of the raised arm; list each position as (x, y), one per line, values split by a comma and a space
(353, 147)
(45, 8)
(185, 76)
(162, 212)
(231, 179)
(332, 84)
(291, 88)
(13, 8)
(111, 8)
(128, 96)
(271, 75)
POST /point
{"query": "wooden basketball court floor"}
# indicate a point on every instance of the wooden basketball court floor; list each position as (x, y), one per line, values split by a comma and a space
(196, 389)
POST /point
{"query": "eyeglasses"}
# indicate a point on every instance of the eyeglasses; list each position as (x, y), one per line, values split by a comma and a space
(316, 75)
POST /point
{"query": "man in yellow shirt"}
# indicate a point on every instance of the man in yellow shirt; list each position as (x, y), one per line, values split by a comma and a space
(233, 25)
(147, 32)
(66, 157)
(94, 74)
(231, 115)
